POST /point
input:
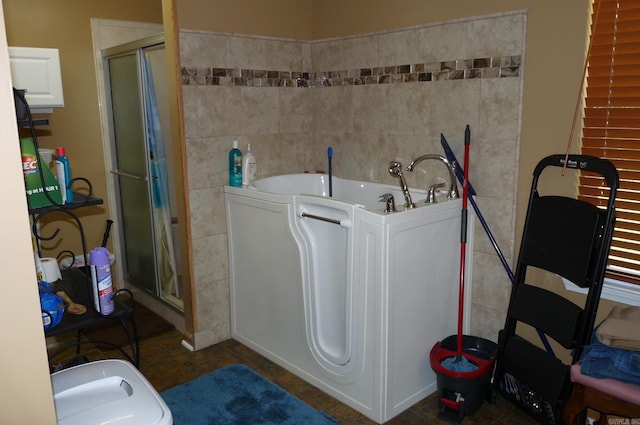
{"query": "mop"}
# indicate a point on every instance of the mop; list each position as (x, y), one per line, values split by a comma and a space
(460, 363)
(463, 364)
(460, 175)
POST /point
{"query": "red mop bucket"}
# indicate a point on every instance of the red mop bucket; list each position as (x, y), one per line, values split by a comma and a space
(464, 384)
(462, 393)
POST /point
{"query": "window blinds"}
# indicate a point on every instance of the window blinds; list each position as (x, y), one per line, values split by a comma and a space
(611, 127)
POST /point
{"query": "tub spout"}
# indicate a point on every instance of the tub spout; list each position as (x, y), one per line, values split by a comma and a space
(395, 169)
(453, 187)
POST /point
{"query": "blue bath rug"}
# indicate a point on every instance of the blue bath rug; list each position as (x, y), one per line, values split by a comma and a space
(236, 395)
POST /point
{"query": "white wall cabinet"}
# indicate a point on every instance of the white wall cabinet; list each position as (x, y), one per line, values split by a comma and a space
(37, 70)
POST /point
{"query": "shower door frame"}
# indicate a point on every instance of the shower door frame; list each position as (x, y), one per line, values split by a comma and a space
(134, 48)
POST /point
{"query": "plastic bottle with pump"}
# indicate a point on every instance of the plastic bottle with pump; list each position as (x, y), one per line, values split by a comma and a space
(249, 168)
(63, 172)
(235, 166)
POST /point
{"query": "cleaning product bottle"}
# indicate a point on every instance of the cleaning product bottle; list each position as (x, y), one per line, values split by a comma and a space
(101, 279)
(39, 268)
(235, 166)
(249, 168)
(63, 172)
(38, 195)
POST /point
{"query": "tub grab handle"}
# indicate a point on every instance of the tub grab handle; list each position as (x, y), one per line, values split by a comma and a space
(343, 223)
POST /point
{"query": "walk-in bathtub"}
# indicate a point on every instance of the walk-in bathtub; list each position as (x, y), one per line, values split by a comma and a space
(341, 294)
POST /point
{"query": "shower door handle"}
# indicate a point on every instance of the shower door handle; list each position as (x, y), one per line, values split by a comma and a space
(128, 175)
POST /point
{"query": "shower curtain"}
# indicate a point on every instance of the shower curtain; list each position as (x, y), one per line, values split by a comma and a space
(160, 192)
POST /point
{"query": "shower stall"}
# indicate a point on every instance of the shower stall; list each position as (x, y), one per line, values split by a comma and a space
(137, 102)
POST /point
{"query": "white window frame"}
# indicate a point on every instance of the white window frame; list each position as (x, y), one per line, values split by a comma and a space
(613, 290)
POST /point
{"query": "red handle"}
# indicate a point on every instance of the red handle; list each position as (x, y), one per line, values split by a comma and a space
(451, 404)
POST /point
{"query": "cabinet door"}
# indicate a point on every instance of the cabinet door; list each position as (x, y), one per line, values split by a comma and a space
(37, 70)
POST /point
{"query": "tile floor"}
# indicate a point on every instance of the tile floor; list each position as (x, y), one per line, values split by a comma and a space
(166, 363)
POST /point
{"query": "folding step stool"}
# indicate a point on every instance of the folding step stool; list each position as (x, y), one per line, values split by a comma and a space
(570, 238)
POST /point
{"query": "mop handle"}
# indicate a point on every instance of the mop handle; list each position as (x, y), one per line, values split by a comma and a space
(459, 170)
(493, 241)
(463, 237)
(460, 175)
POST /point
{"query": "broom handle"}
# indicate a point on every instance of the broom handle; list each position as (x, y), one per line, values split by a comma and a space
(105, 237)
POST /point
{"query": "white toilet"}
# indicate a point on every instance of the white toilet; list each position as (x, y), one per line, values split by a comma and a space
(107, 392)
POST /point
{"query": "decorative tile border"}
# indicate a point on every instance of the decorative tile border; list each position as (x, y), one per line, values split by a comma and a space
(491, 67)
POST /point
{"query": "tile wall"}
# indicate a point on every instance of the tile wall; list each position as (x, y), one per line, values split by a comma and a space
(373, 98)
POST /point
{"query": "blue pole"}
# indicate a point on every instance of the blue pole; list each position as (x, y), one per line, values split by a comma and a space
(329, 155)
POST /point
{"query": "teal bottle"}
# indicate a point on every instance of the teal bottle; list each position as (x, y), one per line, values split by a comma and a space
(235, 166)
(63, 172)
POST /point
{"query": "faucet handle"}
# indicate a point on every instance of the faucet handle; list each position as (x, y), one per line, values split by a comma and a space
(390, 203)
(431, 193)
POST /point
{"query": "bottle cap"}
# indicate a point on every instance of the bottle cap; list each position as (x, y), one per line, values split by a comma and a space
(59, 151)
(235, 144)
(248, 147)
(99, 256)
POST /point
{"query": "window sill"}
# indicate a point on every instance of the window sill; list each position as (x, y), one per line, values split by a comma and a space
(613, 290)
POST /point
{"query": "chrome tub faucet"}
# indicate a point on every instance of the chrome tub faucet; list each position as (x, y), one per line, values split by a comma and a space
(453, 187)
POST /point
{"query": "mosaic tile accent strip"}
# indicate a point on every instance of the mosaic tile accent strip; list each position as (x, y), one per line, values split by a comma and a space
(491, 67)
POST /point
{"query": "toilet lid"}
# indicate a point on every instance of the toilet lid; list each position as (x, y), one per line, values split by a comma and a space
(107, 391)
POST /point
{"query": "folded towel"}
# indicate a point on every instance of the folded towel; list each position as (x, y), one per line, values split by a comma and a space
(621, 328)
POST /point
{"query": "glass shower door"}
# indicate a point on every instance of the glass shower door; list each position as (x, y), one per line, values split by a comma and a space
(132, 171)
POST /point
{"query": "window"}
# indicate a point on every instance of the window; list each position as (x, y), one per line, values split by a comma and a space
(611, 127)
